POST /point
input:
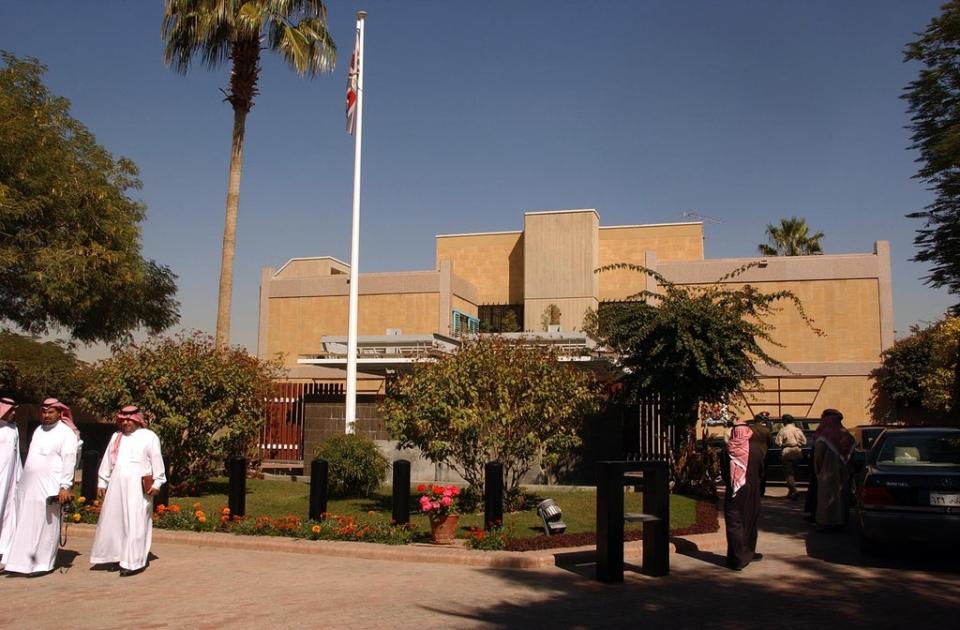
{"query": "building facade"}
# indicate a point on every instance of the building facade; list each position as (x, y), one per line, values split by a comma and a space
(479, 278)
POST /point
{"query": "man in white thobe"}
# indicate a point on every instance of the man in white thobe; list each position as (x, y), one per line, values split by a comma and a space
(47, 482)
(10, 471)
(131, 474)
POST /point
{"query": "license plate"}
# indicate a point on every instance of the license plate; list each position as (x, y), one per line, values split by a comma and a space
(937, 498)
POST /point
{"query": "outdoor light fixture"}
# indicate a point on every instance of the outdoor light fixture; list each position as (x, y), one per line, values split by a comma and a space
(549, 511)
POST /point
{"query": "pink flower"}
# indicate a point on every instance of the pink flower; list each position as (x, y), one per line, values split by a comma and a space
(455, 491)
(448, 492)
(435, 505)
(446, 501)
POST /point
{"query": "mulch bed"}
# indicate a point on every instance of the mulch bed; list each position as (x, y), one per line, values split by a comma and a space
(707, 521)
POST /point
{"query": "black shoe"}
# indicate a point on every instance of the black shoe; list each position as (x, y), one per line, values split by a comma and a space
(129, 572)
(757, 557)
(113, 568)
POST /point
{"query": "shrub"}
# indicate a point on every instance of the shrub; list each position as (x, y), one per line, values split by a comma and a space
(494, 539)
(207, 403)
(356, 465)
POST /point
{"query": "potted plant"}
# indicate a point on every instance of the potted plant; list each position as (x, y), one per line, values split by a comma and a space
(439, 503)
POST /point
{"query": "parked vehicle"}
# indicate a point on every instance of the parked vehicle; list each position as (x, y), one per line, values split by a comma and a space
(909, 488)
(774, 452)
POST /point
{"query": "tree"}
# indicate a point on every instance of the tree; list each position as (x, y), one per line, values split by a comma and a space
(218, 30)
(69, 233)
(550, 317)
(791, 238)
(918, 373)
(31, 370)
(935, 124)
(689, 344)
(207, 403)
(494, 400)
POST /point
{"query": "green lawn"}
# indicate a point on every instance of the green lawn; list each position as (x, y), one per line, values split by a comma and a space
(276, 498)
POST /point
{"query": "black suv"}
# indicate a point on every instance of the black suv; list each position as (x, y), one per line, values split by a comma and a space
(775, 464)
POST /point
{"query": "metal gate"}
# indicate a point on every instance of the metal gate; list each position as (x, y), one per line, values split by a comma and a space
(281, 438)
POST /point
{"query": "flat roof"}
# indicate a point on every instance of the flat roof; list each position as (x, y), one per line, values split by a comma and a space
(284, 266)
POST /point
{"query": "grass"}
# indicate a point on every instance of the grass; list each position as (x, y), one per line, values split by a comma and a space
(275, 498)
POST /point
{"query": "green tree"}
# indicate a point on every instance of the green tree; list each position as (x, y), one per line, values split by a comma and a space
(494, 400)
(237, 30)
(791, 238)
(550, 317)
(689, 344)
(69, 233)
(207, 403)
(31, 370)
(935, 124)
(918, 373)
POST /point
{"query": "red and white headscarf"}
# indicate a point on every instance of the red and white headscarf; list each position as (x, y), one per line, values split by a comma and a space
(66, 416)
(6, 404)
(739, 449)
(130, 412)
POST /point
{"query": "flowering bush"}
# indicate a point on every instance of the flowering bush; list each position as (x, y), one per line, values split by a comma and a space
(494, 539)
(438, 500)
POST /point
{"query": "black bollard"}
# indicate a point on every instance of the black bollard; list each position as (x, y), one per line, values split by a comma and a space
(492, 495)
(610, 521)
(88, 486)
(401, 492)
(318, 489)
(656, 534)
(237, 502)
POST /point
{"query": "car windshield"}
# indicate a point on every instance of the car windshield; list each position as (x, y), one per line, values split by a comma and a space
(921, 449)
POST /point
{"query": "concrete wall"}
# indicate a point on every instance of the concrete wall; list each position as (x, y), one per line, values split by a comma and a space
(492, 262)
(629, 244)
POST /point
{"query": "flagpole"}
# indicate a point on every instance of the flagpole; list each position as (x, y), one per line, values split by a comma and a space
(351, 402)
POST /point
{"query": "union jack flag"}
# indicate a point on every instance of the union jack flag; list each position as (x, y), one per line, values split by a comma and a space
(352, 79)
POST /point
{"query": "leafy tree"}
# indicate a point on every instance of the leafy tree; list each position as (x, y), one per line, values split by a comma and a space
(689, 344)
(510, 322)
(935, 122)
(919, 371)
(31, 370)
(791, 238)
(207, 403)
(494, 400)
(69, 233)
(550, 317)
(218, 30)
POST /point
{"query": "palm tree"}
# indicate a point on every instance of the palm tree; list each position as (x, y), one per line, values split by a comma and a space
(791, 238)
(218, 30)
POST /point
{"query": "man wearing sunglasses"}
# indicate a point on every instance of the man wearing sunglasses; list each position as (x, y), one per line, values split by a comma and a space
(131, 474)
(10, 471)
(47, 482)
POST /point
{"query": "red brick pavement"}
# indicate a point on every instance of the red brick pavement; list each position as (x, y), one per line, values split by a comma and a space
(806, 579)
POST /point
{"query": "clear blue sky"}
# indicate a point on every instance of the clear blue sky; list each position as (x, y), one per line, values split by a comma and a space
(476, 112)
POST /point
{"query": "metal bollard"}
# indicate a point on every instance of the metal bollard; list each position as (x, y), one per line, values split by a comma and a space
(237, 502)
(610, 521)
(656, 534)
(318, 489)
(492, 494)
(401, 492)
(88, 486)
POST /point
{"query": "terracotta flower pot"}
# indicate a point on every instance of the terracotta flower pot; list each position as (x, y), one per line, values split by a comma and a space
(444, 528)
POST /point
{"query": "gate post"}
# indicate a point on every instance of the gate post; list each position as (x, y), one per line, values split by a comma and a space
(610, 521)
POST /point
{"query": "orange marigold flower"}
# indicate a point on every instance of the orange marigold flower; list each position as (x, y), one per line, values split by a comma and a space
(202, 519)
(199, 514)
(371, 513)
(175, 508)
(196, 505)
(315, 529)
(225, 511)
(76, 518)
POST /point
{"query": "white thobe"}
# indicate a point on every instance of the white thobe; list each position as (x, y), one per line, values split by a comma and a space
(10, 471)
(125, 526)
(49, 468)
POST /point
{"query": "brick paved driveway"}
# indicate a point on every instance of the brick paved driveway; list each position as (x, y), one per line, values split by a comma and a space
(227, 588)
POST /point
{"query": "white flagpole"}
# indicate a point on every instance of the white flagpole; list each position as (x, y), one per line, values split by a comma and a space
(351, 403)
